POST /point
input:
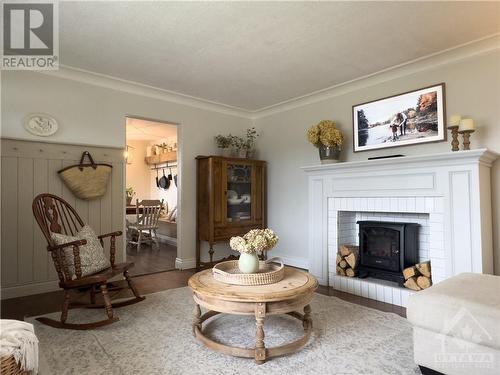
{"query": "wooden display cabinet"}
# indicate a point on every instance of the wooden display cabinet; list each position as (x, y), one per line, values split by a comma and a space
(231, 200)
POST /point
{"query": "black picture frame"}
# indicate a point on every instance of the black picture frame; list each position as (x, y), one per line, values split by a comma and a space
(419, 116)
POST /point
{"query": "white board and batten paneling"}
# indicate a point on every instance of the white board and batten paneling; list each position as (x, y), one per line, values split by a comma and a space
(452, 189)
(28, 169)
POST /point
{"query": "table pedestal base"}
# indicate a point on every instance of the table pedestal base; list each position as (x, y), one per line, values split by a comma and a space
(260, 353)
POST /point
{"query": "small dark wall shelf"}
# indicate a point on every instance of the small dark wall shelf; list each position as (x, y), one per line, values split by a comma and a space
(386, 157)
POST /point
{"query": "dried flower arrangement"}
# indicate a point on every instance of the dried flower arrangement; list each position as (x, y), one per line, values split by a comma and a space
(255, 241)
(236, 142)
(325, 133)
(249, 142)
(223, 141)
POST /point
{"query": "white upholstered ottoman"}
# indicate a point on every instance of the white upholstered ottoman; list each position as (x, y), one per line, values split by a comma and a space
(456, 325)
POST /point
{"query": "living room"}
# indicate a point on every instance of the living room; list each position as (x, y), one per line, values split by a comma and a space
(340, 126)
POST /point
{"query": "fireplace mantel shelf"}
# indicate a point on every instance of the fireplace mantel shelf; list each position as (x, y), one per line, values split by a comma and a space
(483, 155)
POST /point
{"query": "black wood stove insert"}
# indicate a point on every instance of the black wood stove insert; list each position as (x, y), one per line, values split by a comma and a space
(386, 248)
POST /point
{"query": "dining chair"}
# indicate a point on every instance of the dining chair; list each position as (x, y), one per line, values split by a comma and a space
(143, 230)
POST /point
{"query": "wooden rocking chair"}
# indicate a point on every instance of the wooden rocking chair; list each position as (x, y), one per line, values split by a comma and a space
(54, 215)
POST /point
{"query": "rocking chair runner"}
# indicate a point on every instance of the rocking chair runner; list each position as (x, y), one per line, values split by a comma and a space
(54, 215)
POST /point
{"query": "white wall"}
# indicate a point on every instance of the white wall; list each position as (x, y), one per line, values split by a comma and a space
(472, 89)
(95, 115)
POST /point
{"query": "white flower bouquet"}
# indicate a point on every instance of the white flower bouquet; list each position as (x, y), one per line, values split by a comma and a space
(255, 241)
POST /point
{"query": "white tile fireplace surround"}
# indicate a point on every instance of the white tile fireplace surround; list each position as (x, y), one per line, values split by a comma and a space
(448, 195)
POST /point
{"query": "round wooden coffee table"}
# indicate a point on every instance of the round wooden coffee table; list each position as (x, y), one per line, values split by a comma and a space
(288, 296)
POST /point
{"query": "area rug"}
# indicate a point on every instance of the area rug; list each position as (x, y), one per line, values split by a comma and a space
(154, 337)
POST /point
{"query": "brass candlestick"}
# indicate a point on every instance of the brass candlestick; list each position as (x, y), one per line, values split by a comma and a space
(466, 134)
(454, 135)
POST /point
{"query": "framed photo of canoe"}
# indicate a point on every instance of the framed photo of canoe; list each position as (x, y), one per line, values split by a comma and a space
(405, 119)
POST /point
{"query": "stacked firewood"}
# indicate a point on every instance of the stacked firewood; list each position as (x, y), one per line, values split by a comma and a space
(347, 260)
(418, 277)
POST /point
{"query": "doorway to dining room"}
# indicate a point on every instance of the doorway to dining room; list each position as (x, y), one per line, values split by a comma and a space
(152, 176)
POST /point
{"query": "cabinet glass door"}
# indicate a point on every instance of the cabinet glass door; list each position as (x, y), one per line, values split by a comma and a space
(239, 192)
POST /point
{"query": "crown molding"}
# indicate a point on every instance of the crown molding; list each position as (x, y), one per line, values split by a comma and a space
(132, 87)
(452, 55)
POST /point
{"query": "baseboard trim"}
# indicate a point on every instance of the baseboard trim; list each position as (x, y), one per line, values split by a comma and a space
(29, 289)
(185, 264)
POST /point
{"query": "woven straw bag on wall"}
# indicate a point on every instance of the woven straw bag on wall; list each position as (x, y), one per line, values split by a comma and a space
(86, 180)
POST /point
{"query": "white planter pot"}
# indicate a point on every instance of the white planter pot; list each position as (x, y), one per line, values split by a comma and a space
(226, 152)
(248, 263)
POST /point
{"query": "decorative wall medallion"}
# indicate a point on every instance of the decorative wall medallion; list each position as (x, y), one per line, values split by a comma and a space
(41, 124)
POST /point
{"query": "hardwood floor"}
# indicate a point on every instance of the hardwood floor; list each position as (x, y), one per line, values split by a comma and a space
(19, 308)
(151, 259)
(377, 305)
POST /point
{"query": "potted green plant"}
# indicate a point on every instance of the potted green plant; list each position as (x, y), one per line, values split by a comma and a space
(254, 242)
(238, 145)
(249, 143)
(164, 147)
(130, 194)
(224, 144)
(328, 139)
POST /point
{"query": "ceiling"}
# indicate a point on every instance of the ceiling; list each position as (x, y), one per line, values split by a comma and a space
(253, 55)
(143, 130)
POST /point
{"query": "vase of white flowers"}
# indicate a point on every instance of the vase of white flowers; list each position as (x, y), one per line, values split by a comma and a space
(250, 245)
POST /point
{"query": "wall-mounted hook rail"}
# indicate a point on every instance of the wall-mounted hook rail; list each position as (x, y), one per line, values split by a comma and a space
(163, 166)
